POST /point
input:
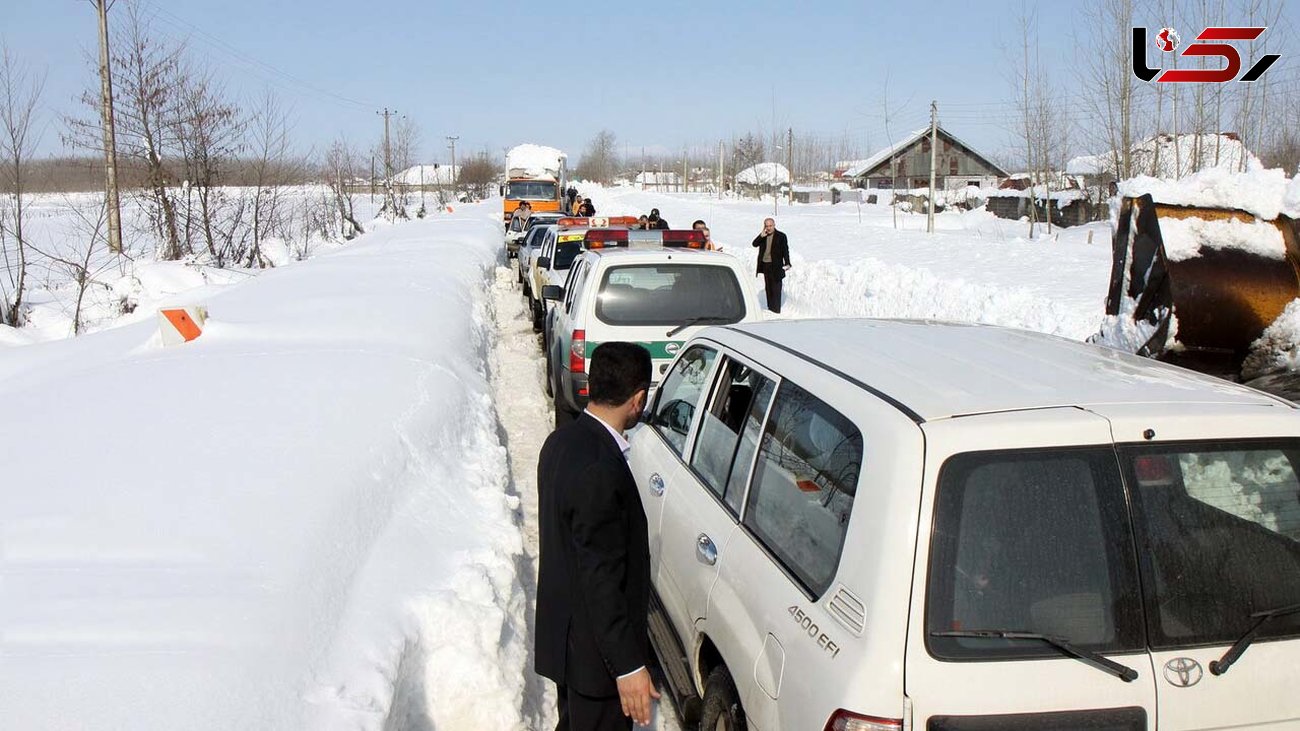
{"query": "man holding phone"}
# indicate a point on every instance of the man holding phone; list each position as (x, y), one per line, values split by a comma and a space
(773, 261)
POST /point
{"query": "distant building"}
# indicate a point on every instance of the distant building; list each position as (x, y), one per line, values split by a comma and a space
(908, 163)
(661, 181)
(1168, 156)
(765, 177)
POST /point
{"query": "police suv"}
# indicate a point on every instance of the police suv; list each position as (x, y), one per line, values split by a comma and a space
(658, 293)
(892, 525)
(551, 262)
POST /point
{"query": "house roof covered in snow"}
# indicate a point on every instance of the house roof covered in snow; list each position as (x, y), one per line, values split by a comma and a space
(1169, 156)
(764, 173)
(438, 174)
(868, 165)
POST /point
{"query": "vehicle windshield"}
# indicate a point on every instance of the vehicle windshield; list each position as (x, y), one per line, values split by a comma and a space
(537, 190)
(669, 294)
(1220, 523)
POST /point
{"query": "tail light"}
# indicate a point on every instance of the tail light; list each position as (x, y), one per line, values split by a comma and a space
(602, 238)
(684, 239)
(578, 352)
(843, 720)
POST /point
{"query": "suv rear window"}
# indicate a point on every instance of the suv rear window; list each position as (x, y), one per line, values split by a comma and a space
(1219, 529)
(669, 294)
(1032, 541)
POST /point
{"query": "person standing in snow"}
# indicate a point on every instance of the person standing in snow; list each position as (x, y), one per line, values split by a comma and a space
(655, 221)
(520, 215)
(586, 209)
(773, 261)
(593, 579)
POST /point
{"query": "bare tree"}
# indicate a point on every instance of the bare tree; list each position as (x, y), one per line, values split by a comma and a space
(20, 94)
(600, 160)
(341, 167)
(209, 132)
(478, 174)
(272, 168)
(149, 81)
(1108, 81)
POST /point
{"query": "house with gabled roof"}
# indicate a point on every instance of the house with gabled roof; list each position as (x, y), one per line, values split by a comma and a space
(908, 163)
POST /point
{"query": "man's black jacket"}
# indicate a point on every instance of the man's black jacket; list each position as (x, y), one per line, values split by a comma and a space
(780, 252)
(593, 583)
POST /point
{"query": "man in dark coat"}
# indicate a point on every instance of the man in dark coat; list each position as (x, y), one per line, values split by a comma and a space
(773, 261)
(656, 222)
(593, 583)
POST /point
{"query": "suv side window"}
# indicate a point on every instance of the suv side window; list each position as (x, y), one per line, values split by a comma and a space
(576, 278)
(728, 433)
(1033, 541)
(804, 482)
(679, 394)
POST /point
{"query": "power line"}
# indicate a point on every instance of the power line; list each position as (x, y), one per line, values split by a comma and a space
(178, 23)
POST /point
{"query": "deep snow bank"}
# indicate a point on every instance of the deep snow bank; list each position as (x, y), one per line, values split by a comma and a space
(298, 521)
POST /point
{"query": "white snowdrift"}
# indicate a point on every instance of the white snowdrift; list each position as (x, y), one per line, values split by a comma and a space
(298, 521)
(1265, 192)
(764, 173)
(1278, 347)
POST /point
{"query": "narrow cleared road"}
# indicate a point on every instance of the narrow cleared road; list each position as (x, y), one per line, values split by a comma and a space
(526, 415)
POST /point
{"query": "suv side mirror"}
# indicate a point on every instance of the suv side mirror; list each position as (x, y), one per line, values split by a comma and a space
(543, 262)
(553, 292)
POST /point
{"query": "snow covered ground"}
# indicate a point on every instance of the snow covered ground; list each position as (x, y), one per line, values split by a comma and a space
(851, 262)
(299, 520)
(322, 513)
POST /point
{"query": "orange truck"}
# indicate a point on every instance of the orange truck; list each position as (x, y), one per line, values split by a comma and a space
(536, 174)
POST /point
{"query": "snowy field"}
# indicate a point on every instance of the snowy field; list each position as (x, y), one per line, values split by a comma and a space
(322, 513)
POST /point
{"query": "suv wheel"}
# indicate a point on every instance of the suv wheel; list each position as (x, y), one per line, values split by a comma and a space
(562, 414)
(722, 711)
(550, 375)
(538, 313)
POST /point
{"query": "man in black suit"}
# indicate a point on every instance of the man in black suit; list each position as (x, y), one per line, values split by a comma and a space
(773, 261)
(593, 583)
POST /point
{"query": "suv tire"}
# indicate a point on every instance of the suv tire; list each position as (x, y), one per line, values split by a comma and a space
(563, 416)
(722, 711)
(538, 314)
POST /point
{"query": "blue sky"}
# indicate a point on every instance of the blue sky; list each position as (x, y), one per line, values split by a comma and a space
(661, 74)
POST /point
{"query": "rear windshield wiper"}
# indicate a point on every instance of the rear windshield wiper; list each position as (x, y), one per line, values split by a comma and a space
(696, 321)
(1220, 666)
(1104, 664)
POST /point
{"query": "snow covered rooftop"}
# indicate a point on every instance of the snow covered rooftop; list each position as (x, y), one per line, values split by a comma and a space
(432, 175)
(764, 173)
(1169, 156)
(865, 165)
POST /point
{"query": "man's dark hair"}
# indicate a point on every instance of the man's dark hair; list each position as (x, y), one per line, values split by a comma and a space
(618, 370)
(699, 222)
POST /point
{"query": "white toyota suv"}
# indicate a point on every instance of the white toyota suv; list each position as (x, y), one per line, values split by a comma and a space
(658, 297)
(892, 525)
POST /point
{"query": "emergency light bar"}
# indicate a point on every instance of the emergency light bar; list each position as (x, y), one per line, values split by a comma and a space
(684, 239)
(596, 221)
(602, 238)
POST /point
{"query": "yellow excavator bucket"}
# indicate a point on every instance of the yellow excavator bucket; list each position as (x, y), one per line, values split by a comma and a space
(1208, 280)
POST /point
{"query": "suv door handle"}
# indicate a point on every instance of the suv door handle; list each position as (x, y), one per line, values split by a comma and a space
(705, 550)
(657, 485)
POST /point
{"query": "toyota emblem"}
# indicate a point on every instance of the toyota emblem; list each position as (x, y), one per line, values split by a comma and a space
(1183, 672)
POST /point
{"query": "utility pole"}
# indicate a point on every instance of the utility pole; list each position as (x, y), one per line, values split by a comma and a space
(789, 159)
(934, 161)
(452, 139)
(685, 180)
(372, 178)
(722, 176)
(390, 203)
(113, 200)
